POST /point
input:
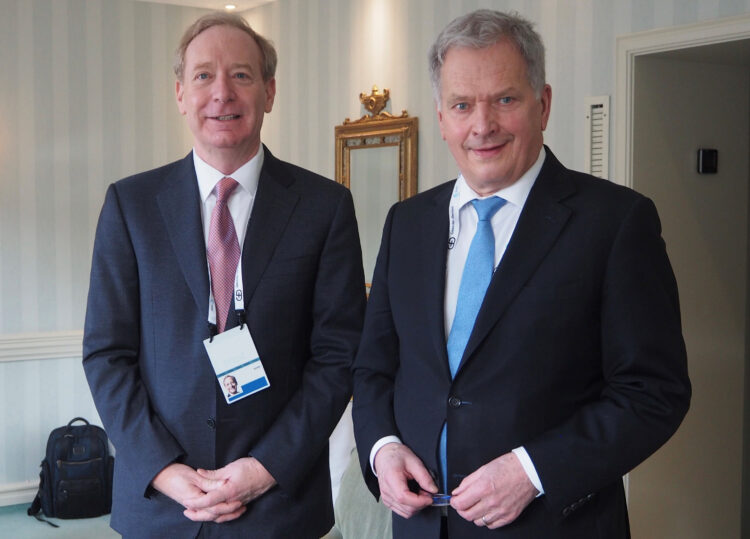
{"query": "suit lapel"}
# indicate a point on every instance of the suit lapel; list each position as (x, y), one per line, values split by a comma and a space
(179, 202)
(273, 206)
(434, 240)
(541, 221)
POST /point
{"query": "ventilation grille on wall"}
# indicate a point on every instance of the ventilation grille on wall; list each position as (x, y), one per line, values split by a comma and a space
(597, 136)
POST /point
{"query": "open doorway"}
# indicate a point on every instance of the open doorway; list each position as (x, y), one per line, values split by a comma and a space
(682, 98)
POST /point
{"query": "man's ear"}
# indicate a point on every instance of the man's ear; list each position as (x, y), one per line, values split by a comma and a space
(440, 118)
(546, 100)
(179, 89)
(270, 94)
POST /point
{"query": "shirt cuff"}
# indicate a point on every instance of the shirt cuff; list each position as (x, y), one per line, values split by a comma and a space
(380, 443)
(529, 468)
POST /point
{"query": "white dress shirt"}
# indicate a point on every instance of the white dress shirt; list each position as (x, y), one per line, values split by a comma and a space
(240, 201)
(462, 229)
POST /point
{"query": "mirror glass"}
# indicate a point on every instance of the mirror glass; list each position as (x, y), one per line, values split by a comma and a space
(376, 157)
(374, 185)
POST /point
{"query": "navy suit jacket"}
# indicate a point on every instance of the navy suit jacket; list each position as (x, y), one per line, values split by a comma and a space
(148, 370)
(577, 354)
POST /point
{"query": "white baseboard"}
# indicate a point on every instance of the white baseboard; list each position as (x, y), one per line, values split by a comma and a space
(18, 493)
(43, 345)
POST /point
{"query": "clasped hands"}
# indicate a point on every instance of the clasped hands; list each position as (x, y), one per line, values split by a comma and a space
(214, 495)
(492, 496)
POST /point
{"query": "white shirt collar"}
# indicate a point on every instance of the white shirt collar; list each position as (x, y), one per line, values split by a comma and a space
(515, 194)
(247, 175)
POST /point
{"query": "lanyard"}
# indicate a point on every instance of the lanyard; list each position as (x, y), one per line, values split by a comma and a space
(455, 222)
(454, 219)
(239, 300)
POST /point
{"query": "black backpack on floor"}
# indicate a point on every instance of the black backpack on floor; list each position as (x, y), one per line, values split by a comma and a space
(76, 476)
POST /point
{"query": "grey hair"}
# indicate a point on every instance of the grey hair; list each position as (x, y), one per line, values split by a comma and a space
(268, 54)
(483, 28)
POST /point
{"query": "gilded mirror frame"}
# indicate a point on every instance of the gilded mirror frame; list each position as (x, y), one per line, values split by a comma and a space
(378, 130)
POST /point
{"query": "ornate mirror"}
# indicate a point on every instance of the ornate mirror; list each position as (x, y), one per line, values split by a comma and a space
(376, 158)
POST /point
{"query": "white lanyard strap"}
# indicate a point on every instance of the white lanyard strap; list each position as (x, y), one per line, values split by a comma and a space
(453, 218)
(239, 296)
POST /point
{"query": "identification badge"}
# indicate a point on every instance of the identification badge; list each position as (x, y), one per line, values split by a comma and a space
(235, 360)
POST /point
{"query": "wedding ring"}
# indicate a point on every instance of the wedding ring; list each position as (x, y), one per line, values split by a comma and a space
(484, 521)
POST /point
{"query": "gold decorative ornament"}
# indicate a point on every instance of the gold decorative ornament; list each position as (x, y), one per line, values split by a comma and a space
(378, 130)
(374, 103)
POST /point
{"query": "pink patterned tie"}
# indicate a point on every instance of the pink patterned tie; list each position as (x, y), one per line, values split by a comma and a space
(223, 251)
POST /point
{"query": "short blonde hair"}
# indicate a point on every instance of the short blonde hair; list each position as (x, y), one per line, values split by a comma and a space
(218, 18)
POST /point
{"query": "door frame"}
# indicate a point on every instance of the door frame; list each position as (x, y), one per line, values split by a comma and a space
(630, 46)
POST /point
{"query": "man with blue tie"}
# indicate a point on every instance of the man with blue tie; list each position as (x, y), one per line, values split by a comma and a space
(522, 347)
(228, 264)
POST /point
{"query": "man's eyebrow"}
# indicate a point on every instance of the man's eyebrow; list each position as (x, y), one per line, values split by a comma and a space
(249, 67)
(203, 65)
(459, 97)
(456, 97)
(208, 65)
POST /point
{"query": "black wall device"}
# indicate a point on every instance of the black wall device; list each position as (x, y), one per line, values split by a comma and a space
(708, 161)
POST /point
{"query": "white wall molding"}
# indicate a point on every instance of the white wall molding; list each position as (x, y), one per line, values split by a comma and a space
(35, 346)
(17, 493)
(660, 40)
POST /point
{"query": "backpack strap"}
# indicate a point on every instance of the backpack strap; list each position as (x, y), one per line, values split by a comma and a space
(34, 510)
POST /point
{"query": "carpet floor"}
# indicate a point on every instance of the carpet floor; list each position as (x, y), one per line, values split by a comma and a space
(16, 524)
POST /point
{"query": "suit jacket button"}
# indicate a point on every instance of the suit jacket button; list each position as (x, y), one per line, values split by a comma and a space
(454, 402)
(211, 422)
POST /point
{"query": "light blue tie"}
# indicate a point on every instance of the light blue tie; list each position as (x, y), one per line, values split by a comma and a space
(475, 279)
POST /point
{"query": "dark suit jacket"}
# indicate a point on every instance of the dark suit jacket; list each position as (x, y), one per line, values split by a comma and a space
(577, 353)
(149, 373)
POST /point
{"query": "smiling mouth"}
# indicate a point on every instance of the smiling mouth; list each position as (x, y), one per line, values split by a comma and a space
(226, 117)
(488, 150)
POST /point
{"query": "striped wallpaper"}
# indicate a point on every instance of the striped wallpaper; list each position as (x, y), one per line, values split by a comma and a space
(331, 50)
(87, 98)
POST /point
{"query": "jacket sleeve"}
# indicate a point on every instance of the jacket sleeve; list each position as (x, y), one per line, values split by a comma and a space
(376, 365)
(299, 435)
(646, 390)
(111, 343)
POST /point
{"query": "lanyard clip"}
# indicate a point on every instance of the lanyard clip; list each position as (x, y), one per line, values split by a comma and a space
(212, 331)
(241, 317)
